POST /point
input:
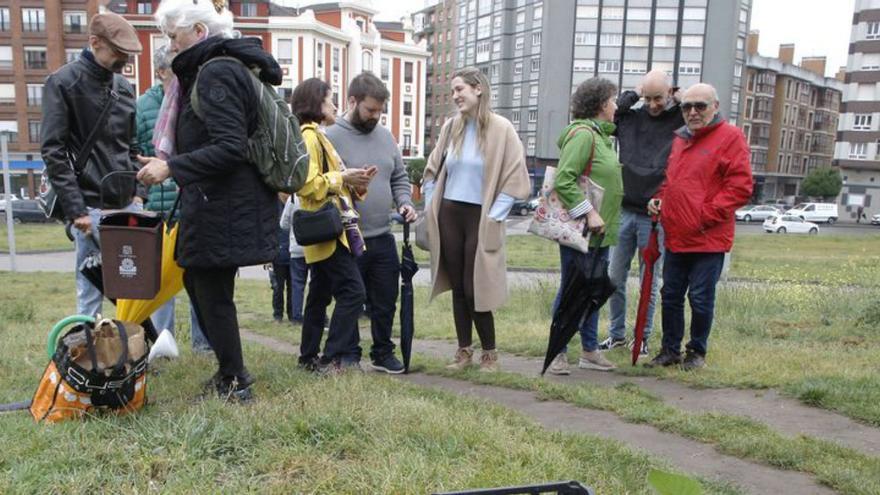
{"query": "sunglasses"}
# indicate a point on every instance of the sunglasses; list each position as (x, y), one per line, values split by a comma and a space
(701, 106)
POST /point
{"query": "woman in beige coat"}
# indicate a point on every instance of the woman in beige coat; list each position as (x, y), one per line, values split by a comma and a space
(473, 176)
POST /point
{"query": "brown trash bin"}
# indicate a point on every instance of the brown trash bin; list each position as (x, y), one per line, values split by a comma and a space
(131, 253)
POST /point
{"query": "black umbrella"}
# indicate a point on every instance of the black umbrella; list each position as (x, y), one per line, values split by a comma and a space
(408, 269)
(586, 290)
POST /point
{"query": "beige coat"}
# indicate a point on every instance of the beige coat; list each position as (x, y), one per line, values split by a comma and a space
(504, 171)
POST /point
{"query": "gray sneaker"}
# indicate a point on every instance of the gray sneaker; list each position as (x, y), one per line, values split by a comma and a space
(559, 365)
(595, 361)
(693, 361)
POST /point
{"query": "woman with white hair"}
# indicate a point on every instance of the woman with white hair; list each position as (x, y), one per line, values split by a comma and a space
(228, 216)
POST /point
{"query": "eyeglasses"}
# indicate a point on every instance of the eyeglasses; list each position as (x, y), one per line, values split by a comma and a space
(701, 106)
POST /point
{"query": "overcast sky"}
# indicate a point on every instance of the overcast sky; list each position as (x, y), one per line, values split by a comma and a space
(816, 27)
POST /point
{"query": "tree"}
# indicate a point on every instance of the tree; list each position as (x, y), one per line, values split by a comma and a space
(822, 182)
(415, 168)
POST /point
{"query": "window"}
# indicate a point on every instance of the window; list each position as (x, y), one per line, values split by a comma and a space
(862, 122)
(664, 41)
(530, 143)
(583, 65)
(872, 31)
(4, 19)
(858, 151)
(517, 68)
(496, 46)
(496, 22)
(386, 68)
(75, 22)
(695, 14)
(536, 64)
(519, 42)
(494, 70)
(667, 14)
(537, 12)
(335, 66)
(633, 67)
(689, 69)
(515, 116)
(145, 8)
(408, 72)
(871, 61)
(484, 48)
(533, 115)
(484, 27)
(611, 39)
(7, 94)
(587, 12)
(609, 66)
(34, 127)
(584, 39)
(34, 95)
(285, 52)
(33, 20)
(5, 57)
(536, 39)
(520, 17)
(248, 9)
(70, 55)
(319, 56)
(637, 40)
(612, 13)
(407, 106)
(517, 93)
(533, 91)
(34, 58)
(692, 41)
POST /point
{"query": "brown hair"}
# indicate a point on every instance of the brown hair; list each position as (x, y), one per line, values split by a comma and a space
(307, 100)
(366, 84)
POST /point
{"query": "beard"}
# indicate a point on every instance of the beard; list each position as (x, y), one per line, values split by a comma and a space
(365, 126)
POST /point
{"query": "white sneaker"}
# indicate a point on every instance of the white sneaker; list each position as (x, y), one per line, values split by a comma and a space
(559, 365)
(595, 361)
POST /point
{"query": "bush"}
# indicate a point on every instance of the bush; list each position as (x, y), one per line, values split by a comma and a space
(415, 168)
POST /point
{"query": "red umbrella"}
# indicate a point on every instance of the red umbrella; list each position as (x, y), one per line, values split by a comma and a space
(650, 255)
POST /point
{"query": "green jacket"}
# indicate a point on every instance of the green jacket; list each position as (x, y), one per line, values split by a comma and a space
(575, 145)
(161, 197)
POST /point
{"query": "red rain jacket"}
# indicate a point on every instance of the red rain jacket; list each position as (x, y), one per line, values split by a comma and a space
(708, 177)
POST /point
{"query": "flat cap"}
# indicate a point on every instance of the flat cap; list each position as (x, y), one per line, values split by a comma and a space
(117, 31)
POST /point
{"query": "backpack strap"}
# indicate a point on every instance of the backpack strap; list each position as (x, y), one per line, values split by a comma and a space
(589, 168)
(194, 95)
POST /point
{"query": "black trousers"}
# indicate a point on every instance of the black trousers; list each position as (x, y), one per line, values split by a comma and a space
(380, 272)
(459, 235)
(282, 290)
(337, 278)
(211, 292)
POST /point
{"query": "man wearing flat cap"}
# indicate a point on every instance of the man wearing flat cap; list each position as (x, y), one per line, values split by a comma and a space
(89, 131)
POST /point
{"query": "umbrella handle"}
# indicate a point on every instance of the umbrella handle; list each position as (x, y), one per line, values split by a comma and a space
(61, 325)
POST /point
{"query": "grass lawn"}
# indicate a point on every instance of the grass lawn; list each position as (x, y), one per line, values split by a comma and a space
(36, 237)
(827, 260)
(354, 434)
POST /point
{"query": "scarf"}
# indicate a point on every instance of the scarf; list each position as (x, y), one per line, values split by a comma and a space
(166, 122)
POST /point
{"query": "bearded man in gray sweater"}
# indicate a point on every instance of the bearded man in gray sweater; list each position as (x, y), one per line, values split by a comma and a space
(361, 143)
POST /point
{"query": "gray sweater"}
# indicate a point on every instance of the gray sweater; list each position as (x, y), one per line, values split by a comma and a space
(389, 188)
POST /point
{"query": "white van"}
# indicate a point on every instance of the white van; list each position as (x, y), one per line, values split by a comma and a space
(815, 212)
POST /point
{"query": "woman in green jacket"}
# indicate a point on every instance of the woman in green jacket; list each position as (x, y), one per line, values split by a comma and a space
(592, 110)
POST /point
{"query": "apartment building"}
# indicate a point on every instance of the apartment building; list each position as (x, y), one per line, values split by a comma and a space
(789, 115)
(536, 52)
(332, 41)
(36, 38)
(436, 25)
(857, 152)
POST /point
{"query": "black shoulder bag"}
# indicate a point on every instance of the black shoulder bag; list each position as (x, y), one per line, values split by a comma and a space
(321, 225)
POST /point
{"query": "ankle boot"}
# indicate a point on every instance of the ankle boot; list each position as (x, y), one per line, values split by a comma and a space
(489, 362)
(463, 358)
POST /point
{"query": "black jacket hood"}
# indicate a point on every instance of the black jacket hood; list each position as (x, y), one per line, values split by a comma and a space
(249, 50)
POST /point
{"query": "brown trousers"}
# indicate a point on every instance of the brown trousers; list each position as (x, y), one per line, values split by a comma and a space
(459, 231)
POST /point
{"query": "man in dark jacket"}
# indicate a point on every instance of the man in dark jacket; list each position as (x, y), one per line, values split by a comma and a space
(362, 143)
(74, 99)
(708, 178)
(229, 217)
(644, 134)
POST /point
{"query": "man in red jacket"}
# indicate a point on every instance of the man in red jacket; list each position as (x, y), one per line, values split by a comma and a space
(708, 177)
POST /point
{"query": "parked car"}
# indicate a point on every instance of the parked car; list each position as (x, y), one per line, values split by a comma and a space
(756, 212)
(782, 224)
(523, 208)
(3, 200)
(815, 212)
(875, 220)
(26, 211)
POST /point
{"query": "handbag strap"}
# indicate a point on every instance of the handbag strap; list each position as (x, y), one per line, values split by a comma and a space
(86, 150)
(589, 168)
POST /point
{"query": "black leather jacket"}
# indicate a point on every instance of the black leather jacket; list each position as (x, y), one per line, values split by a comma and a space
(72, 101)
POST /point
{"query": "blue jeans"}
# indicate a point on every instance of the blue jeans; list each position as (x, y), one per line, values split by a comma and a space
(88, 297)
(635, 228)
(299, 273)
(164, 318)
(589, 327)
(694, 274)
